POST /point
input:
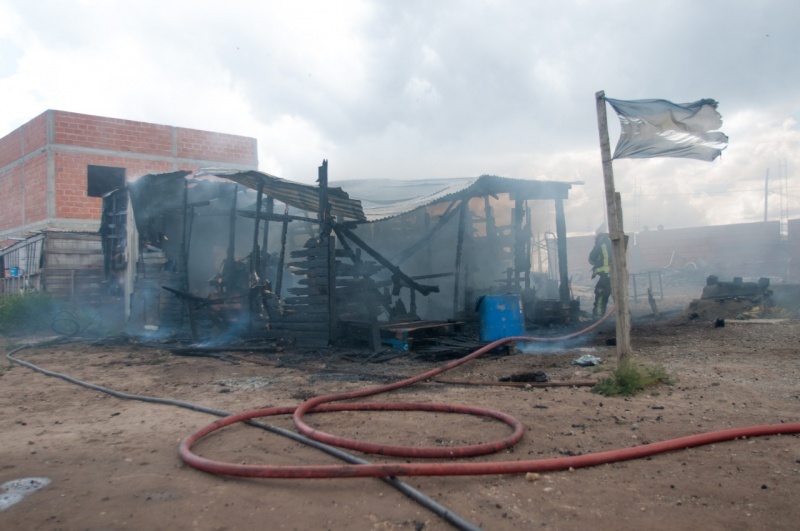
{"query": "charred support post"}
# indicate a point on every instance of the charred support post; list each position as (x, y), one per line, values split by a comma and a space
(282, 259)
(184, 237)
(255, 263)
(265, 240)
(325, 227)
(491, 226)
(528, 245)
(561, 243)
(324, 215)
(462, 220)
(333, 320)
(231, 256)
(519, 241)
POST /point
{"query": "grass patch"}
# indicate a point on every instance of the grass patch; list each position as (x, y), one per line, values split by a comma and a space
(26, 313)
(631, 379)
(42, 313)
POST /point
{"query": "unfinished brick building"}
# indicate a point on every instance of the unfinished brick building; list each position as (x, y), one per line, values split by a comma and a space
(58, 177)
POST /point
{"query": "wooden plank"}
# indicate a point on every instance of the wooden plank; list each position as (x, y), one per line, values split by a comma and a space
(357, 270)
(313, 281)
(304, 317)
(312, 290)
(304, 310)
(318, 327)
(317, 252)
(321, 263)
(316, 299)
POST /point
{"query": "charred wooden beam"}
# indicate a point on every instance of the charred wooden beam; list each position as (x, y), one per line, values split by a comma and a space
(462, 220)
(324, 215)
(265, 240)
(561, 244)
(344, 232)
(255, 262)
(282, 257)
(410, 251)
(229, 265)
(276, 217)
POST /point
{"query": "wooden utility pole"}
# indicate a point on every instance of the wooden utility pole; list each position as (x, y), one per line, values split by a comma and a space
(619, 269)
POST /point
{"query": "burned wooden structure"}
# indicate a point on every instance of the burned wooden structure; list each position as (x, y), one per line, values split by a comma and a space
(324, 264)
(69, 265)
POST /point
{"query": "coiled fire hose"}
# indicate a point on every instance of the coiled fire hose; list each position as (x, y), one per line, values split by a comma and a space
(421, 498)
(324, 404)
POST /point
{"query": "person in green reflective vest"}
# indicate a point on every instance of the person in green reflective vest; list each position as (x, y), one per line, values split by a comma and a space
(600, 257)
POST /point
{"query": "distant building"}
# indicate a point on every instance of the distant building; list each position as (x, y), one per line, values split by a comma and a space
(58, 177)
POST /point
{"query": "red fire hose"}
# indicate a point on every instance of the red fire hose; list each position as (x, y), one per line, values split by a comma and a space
(322, 404)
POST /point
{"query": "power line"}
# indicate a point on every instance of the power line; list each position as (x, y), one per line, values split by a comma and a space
(729, 192)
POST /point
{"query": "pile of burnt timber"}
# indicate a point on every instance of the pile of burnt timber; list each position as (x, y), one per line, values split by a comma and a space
(331, 291)
(738, 289)
(307, 316)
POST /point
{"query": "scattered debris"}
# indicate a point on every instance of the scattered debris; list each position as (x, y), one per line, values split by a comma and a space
(537, 376)
(12, 492)
(587, 360)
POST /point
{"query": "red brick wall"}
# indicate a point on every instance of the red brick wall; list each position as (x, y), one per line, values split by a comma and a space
(72, 200)
(23, 140)
(11, 147)
(72, 129)
(118, 137)
(11, 197)
(36, 133)
(742, 249)
(114, 134)
(205, 145)
(36, 188)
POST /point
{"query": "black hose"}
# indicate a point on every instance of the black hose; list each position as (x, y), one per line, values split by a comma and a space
(440, 510)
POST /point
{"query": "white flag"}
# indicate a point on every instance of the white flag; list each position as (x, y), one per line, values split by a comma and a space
(659, 128)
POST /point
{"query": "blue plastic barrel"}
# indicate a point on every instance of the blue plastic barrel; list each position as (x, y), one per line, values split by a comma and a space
(500, 316)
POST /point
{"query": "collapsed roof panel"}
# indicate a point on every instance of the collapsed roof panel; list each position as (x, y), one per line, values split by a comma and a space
(298, 195)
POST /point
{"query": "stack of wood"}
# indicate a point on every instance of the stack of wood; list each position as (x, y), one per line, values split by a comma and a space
(73, 267)
(308, 315)
(333, 286)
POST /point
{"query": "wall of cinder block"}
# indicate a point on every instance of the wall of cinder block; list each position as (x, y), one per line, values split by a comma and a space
(738, 250)
(57, 147)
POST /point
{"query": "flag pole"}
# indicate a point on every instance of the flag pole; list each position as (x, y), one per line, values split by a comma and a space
(619, 270)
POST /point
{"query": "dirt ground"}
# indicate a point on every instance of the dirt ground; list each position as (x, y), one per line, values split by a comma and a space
(113, 463)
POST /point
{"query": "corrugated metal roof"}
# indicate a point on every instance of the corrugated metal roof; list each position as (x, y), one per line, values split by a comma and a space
(386, 198)
(298, 195)
(376, 199)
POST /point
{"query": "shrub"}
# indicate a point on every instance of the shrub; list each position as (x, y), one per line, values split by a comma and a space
(27, 313)
(631, 379)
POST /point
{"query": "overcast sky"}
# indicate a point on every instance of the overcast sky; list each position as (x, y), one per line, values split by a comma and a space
(429, 89)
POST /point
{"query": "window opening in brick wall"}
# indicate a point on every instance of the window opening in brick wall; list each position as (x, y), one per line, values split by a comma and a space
(104, 179)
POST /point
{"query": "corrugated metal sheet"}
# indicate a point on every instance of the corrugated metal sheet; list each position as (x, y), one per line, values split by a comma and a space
(386, 198)
(298, 195)
(376, 199)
